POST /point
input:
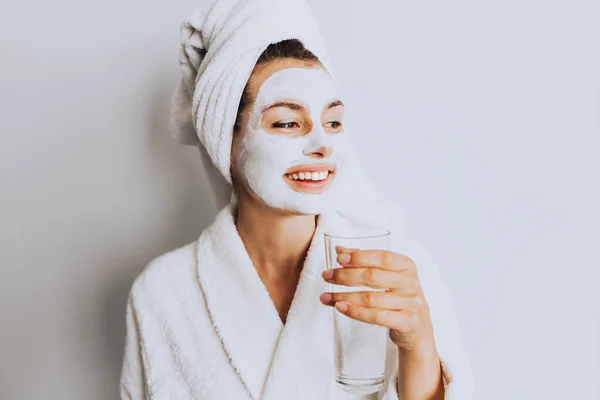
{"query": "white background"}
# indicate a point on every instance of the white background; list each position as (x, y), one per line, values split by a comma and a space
(480, 118)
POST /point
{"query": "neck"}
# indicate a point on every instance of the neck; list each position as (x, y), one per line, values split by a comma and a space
(276, 242)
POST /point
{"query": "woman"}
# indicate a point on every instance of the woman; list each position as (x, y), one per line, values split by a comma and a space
(242, 313)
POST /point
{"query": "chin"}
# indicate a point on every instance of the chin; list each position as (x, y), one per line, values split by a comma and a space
(281, 197)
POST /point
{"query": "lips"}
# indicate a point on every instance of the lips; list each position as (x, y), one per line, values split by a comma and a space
(310, 178)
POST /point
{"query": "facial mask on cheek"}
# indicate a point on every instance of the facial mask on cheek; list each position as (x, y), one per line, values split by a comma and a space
(264, 157)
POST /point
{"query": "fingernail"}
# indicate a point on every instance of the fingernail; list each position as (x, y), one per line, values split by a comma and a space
(328, 274)
(341, 307)
(343, 258)
(326, 298)
(339, 249)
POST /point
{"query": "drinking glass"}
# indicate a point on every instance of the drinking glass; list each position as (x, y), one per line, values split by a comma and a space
(358, 347)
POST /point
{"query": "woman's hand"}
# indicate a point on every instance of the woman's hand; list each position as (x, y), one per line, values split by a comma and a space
(402, 307)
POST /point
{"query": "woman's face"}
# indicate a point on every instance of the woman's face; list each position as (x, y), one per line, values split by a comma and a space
(291, 149)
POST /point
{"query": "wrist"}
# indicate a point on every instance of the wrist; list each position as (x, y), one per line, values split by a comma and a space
(422, 356)
(420, 374)
(422, 346)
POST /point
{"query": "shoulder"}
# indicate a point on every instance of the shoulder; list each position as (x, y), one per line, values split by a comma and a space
(167, 276)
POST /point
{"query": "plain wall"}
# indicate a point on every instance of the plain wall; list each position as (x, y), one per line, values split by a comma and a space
(481, 119)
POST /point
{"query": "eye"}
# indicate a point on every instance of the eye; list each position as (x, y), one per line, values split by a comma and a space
(286, 125)
(334, 124)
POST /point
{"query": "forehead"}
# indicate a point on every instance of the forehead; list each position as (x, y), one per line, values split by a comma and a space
(313, 86)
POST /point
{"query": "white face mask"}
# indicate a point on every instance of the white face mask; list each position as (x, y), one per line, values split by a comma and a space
(264, 158)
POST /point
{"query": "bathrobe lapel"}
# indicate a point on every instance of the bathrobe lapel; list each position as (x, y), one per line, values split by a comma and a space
(273, 361)
(238, 303)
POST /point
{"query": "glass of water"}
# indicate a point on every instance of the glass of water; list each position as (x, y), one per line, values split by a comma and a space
(359, 348)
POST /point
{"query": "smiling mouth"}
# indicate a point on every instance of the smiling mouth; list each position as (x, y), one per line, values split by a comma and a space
(311, 179)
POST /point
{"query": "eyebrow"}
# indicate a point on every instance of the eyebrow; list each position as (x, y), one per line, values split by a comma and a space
(295, 106)
(334, 104)
(286, 104)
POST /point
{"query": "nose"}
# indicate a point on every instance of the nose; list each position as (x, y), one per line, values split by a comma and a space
(321, 152)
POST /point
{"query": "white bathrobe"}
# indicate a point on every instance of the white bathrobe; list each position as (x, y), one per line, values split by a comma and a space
(201, 325)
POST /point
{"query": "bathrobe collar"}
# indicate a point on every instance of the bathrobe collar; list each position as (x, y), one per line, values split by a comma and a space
(273, 360)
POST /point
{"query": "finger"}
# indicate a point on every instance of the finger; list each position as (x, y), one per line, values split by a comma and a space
(377, 258)
(374, 278)
(342, 249)
(386, 318)
(381, 300)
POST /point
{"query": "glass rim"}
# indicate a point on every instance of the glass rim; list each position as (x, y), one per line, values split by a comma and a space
(338, 233)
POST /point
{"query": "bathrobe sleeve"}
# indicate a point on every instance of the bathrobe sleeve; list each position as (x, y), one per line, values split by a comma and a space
(133, 386)
(456, 369)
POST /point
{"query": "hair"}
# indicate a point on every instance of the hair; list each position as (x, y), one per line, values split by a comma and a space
(289, 48)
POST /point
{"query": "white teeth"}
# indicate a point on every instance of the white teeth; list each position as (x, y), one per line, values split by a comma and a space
(309, 176)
